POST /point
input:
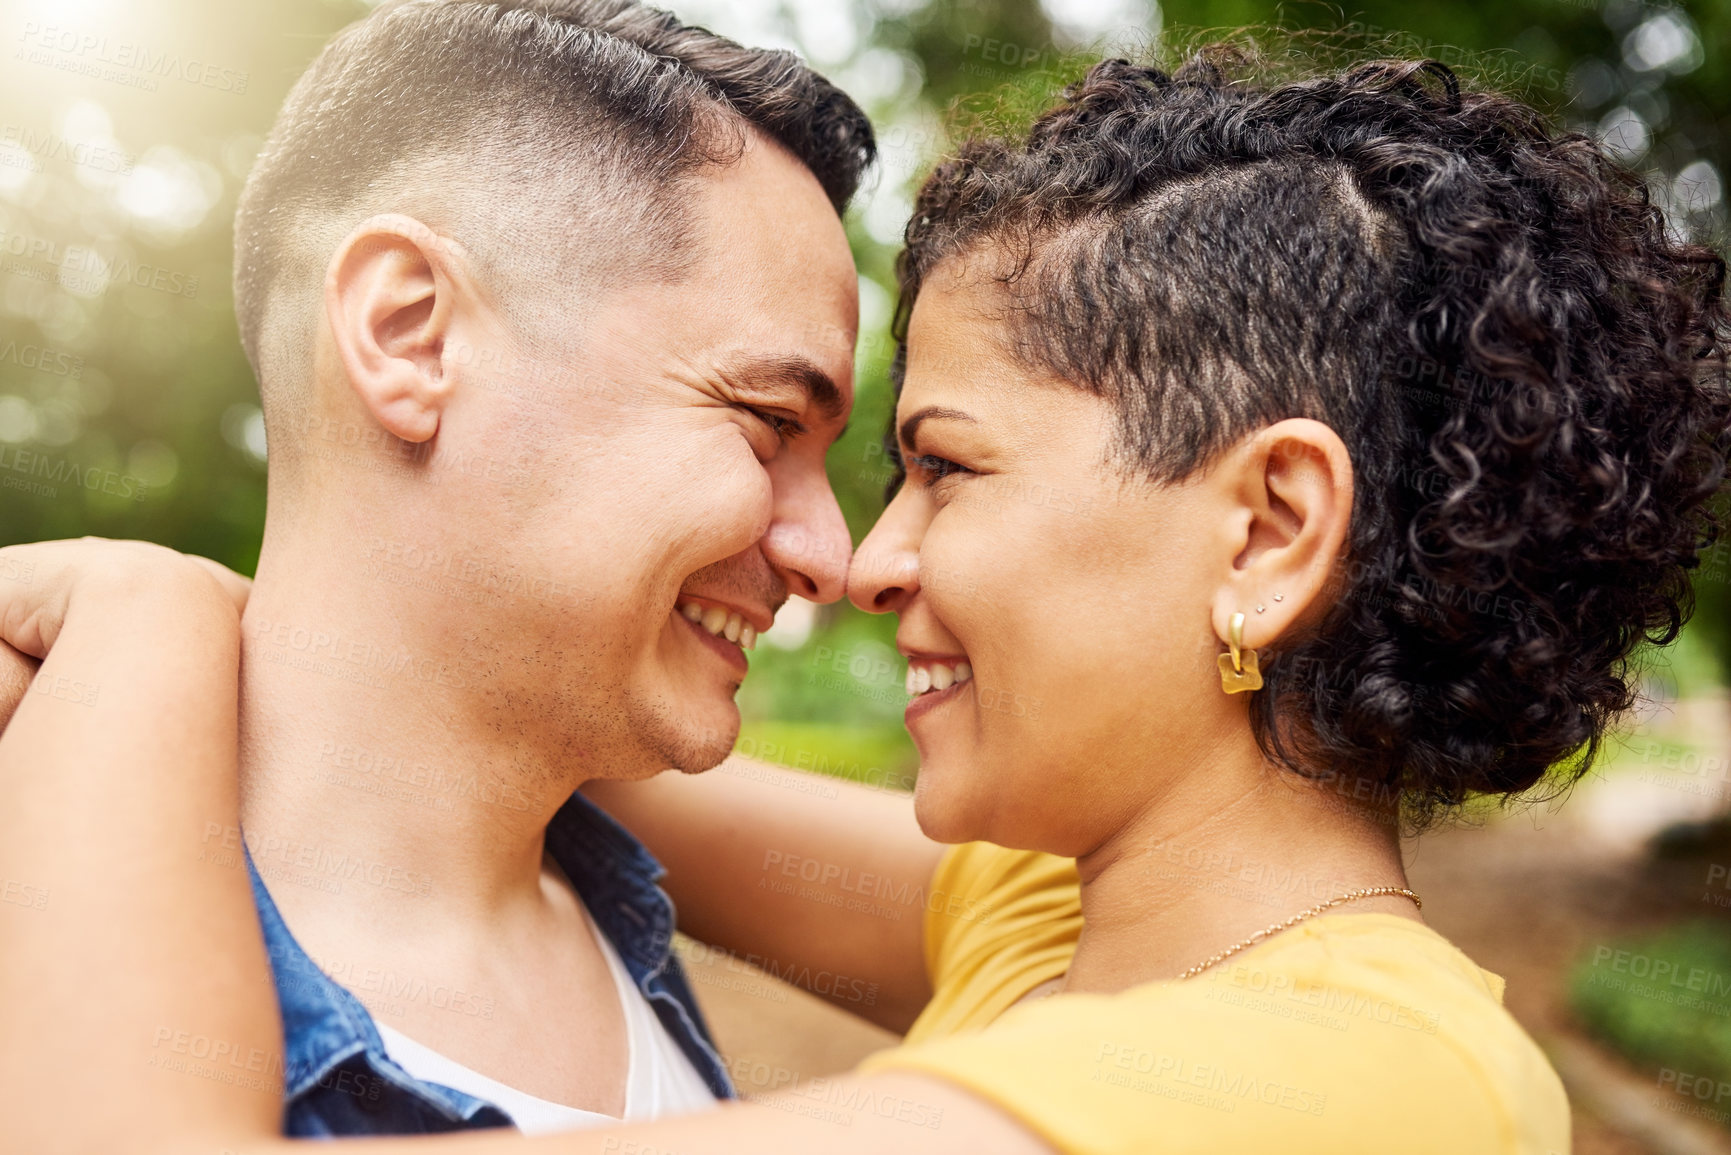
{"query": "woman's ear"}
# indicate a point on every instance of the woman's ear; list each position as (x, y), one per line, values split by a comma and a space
(1292, 485)
(390, 293)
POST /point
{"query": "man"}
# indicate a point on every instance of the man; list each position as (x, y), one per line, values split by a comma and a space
(553, 319)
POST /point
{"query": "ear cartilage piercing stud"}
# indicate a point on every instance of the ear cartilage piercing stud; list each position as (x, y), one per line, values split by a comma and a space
(1279, 597)
(1259, 609)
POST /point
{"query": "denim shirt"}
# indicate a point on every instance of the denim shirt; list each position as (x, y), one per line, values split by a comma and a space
(337, 1078)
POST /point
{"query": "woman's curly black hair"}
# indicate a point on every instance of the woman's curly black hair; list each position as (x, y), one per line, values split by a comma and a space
(1528, 370)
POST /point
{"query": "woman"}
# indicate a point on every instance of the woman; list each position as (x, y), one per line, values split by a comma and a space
(1307, 456)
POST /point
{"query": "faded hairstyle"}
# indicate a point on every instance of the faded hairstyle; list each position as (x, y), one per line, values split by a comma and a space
(550, 138)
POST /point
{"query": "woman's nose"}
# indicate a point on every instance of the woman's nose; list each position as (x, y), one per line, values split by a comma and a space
(885, 574)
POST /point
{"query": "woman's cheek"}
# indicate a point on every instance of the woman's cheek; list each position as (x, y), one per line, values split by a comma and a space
(955, 571)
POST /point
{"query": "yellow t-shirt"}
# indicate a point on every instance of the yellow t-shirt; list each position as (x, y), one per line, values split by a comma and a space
(1347, 1033)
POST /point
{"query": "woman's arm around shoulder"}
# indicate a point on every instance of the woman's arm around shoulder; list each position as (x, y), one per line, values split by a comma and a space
(123, 930)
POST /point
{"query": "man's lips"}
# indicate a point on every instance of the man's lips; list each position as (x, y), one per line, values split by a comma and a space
(736, 623)
(729, 652)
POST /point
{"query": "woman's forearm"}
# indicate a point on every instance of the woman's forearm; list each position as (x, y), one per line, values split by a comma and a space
(131, 963)
(806, 876)
(905, 1113)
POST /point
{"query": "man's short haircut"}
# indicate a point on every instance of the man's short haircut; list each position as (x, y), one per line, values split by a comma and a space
(548, 137)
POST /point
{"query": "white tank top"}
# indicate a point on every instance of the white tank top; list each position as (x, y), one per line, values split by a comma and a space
(660, 1081)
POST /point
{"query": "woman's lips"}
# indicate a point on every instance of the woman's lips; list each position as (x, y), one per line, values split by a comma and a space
(934, 681)
(935, 675)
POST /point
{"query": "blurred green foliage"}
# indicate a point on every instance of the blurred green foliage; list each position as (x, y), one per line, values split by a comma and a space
(123, 146)
(1663, 1000)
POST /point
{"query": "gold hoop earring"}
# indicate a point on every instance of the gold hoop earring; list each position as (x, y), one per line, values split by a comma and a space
(1239, 670)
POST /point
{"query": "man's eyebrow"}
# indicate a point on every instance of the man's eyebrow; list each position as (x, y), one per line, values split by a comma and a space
(912, 425)
(798, 372)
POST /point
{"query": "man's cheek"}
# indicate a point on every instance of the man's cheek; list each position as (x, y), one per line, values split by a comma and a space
(730, 505)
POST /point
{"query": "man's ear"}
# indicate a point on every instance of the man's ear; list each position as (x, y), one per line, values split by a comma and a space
(390, 293)
(1291, 484)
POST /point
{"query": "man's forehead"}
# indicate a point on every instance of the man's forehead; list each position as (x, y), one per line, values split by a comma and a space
(771, 250)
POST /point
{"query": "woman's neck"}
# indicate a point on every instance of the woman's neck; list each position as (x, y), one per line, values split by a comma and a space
(1221, 858)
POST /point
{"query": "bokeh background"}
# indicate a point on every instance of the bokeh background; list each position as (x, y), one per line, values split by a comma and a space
(127, 409)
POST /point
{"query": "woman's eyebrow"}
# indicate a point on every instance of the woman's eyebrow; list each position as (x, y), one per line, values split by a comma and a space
(912, 425)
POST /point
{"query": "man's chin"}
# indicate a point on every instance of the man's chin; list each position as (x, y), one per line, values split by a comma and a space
(687, 727)
(700, 745)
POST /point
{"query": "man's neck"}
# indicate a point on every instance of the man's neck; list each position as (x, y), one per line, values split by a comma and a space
(375, 785)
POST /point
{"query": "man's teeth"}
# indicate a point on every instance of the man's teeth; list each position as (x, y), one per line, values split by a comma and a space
(721, 623)
(925, 677)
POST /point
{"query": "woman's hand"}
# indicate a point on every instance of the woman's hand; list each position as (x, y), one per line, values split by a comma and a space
(41, 581)
(116, 768)
(16, 671)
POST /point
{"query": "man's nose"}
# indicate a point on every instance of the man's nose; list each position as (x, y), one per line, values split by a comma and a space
(808, 543)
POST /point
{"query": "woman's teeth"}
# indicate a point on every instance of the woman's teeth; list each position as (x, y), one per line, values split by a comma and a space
(721, 623)
(925, 677)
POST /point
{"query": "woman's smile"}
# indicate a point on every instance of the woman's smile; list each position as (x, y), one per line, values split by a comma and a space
(933, 681)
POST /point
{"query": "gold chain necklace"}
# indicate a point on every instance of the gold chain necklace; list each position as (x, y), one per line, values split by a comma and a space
(1349, 896)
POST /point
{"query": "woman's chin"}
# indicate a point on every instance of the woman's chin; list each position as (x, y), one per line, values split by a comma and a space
(946, 813)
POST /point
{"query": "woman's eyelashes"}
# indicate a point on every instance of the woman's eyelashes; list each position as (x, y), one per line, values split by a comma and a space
(898, 470)
(928, 468)
(936, 469)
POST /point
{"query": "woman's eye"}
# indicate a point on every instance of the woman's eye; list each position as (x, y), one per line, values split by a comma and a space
(938, 468)
(898, 471)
